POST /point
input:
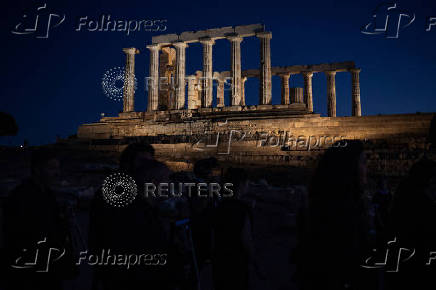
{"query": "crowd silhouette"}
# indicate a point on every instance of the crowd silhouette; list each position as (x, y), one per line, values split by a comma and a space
(341, 229)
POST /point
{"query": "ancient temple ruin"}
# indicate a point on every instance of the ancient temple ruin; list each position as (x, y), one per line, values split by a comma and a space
(167, 82)
(185, 121)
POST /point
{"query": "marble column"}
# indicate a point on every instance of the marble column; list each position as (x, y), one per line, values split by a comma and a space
(285, 88)
(244, 79)
(265, 68)
(220, 94)
(206, 95)
(236, 69)
(153, 79)
(192, 93)
(180, 75)
(356, 109)
(308, 95)
(129, 80)
(296, 95)
(331, 93)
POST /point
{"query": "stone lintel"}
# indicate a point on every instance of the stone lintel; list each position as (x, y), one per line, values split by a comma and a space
(335, 66)
(214, 33)
(298, 69)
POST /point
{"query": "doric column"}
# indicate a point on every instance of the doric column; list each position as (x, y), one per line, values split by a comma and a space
(192, 94)
(236, 69)
(296, 95)
(356, 108)
(220, 93)
(331, 93)
(285, 88)
(180, 74)
(206, 95)
(153, 79)
(167, 61)
(129, 80)
(265, 68)
(308, 95)
(243, 80)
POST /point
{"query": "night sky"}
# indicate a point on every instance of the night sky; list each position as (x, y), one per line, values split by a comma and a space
(53, 85)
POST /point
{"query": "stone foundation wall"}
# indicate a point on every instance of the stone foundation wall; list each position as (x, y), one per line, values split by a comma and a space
(393, 142)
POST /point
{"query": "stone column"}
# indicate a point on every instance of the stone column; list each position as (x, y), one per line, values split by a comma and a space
(220, 94)
(236, 69)
(285, 88)
(129, 80)
(180, 75)
(244, 79)
(265, 68)
(296, 95)
(308, 95)
(206, 94)
(356, 108)
(331, 93)
(167, 61)
(153, 79)
(192, 94)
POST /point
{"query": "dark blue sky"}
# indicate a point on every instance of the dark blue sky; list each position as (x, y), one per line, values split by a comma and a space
(53, 85)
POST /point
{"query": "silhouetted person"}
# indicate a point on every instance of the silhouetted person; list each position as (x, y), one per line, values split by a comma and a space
(334, 241)
(133, 229)
(32, 215)
(233, 241)
(381, 202)
(134, 154)
(412, 223)
(201, 209)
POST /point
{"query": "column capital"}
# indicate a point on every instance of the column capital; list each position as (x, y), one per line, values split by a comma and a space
(264, 34)
(307, 74)
(284, 75)
(153, 46)
(235, 38)
(355, 70)
(206, 40)
(180, 44)
(131, 50)
(330, 72)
